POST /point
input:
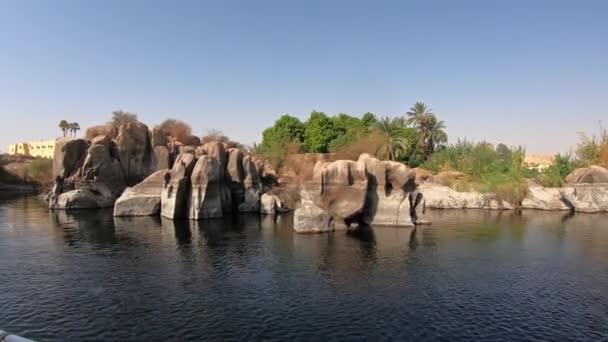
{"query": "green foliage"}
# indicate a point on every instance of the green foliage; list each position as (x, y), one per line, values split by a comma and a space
(64, 126)
(39, 171)
(369, 120)
(497, 171)
(554, 175)
(431, 131)
(285, 130)
(255, 148)
(320, 131)
(593, 150)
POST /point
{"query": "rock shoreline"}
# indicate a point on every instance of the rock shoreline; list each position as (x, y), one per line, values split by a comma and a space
(140, 174)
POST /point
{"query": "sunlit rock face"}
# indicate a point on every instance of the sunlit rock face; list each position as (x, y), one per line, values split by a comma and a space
(207, 184)
(350, 193)
(175, 195)
(142, 199)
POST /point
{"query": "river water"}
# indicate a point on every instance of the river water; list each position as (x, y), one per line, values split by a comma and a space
(472, 275)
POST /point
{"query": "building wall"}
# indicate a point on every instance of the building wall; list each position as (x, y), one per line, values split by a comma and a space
(41, 149)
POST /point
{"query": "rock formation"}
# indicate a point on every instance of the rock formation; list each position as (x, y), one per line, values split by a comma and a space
(176, 189)
(143, 199)
(346, 193)
(208, 184)
(136, 155)
(593, 174)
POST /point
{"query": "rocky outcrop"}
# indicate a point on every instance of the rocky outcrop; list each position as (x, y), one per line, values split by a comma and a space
(163, 158)
(586, 198)
(69, 156)
(387, 201)
(271, 205)
(207, 189)
(83, 198)
(593, 175)
(369, 191)
(341, 188)
(142, 199)
(309, 218)
(545, 199)
(252, 186)
(175, 195)
(135, 151)
(438, 196)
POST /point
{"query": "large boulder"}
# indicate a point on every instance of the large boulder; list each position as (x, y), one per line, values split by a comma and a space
(159, 138)
(207, 188)
(83, 198)
(592, 174)
(163, 158)
(387, 202)
(235, 175)
(309, 218)
(136, 153)
(544, 199)
(586, 199)
(143, 199)
(270, 204)
(252, 186)
(69, 156)
(175, 195)
(102, 168)
(341, 188)
(96, 131)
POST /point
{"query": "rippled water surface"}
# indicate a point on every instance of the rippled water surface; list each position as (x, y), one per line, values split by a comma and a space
(472, 275)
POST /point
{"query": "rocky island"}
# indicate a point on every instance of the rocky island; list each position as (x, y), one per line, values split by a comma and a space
(142, 172)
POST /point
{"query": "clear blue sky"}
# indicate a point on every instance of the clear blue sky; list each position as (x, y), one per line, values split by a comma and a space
(519, 72)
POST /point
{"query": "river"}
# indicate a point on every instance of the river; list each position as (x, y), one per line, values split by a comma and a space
(472, 275)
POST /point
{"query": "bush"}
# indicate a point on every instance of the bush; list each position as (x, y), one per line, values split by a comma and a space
(39, 171)
(483, 168)
(554, 175)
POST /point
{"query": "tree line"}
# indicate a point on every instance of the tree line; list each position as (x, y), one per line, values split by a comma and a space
(69, 127)
(409, 138)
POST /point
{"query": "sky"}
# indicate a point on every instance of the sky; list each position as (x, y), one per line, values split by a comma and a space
(530, 73)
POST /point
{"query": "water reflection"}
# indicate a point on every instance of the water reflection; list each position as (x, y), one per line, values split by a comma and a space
(74, 274)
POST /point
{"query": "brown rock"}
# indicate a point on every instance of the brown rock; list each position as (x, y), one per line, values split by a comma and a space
(593, 174)
(136, 153)
(207, 189)
(176, 188)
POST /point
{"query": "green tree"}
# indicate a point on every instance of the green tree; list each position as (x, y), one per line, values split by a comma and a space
(320, 131)
(73, 128)
(396, 145)
(369, 120)
(255, 148)
(64, 126)
(285, 130)
(435, 133)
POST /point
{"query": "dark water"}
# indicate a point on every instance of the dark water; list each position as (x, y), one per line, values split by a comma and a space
(473, 275)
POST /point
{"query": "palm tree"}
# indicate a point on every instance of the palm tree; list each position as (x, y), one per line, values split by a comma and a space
(64, 126)
(416, 116)
(255, 148)
(74, 127)
(395, 145)
(435, 133)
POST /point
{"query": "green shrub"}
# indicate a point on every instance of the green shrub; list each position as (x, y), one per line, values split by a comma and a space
(490, 170)
(554, 175)
(39, 171)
